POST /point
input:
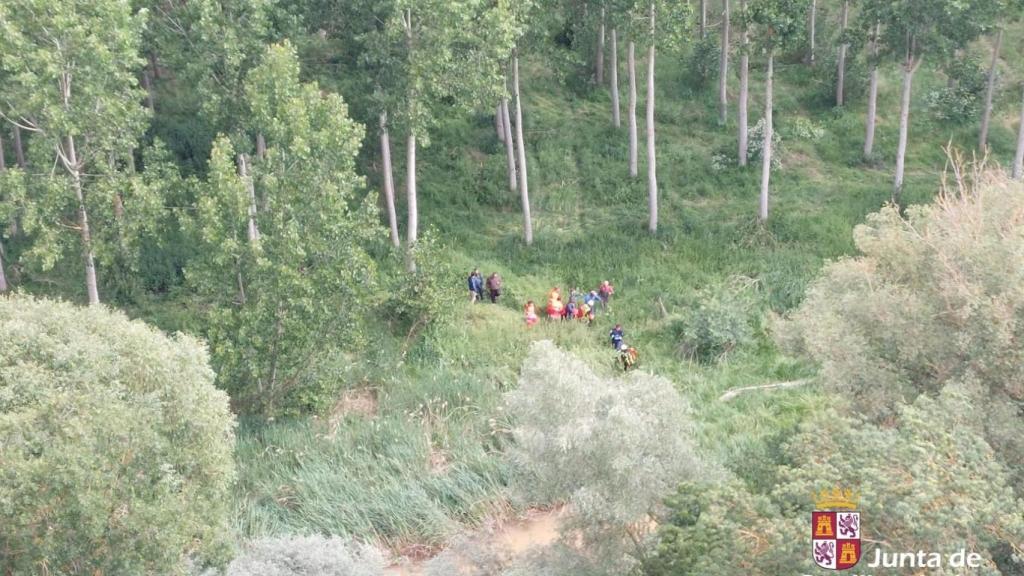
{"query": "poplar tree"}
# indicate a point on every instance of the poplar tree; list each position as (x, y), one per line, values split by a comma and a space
(304, 279)
(915, 29)
(74, 86)
(778, 27)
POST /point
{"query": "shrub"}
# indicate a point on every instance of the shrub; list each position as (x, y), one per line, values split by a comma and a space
(702, 64)
(755, 144)
(611, 448)
(933, 299)
(959, 102)
(308, 556)
(922, 487)
(719, 322)
(116, 447)
(802, 128)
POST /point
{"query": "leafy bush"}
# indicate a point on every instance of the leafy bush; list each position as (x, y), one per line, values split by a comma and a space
(917, 480)
(116, 447)
(933, 299)
(611, 448)
(702, 64)
(959, 102)
(755, 144)
(308, 556)
(718, 322)
(802, 128)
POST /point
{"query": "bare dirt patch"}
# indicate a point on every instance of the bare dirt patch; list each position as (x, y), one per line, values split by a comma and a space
(508, 540)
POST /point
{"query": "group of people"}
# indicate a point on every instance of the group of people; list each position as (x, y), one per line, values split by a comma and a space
(477, 284)
(579, 305)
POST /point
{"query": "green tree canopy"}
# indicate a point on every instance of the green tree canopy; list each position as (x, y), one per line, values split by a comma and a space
(116, 447)
(305, 279)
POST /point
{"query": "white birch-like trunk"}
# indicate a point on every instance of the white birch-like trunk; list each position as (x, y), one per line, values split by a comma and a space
(243, 172)
(389, 180)
(652, 171)
(990, 88)
(723, 67)
(812, 28)
(412, 226)
(703, 19)
(510, 146)
(19, 149)
(631, 64)
(524, 190)
(600, 52)
(616, 119)
(261, 146)
(841, 64)
(909, 67)
(1018, 156)
(744, 91)
(75, 170)
(498, 128)
(3, 273)
(766, 147)
(869, 135)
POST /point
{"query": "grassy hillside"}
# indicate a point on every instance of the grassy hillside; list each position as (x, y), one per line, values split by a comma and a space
(413, 451)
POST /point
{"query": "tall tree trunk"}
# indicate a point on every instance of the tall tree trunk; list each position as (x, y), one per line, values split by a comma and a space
(600, 52)
(990, 88)
(243, 172)
(909, 67)
(412, 226)
(75, 170)
(498, 128)
(631, 64)
(766, 146)
(524, 190)
(869, 136)
(811, 29)
(841, 65)
(261, 146)
(616, 120)
(3, 273)
(703, 19)
(389, 180)
(652, 172)
(723, 67)
(1018, 157)
(147, 85)
(510, 146)
(744, 89)
(19, 149)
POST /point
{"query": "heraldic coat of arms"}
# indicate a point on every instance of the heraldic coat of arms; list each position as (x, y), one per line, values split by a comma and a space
(835, 530)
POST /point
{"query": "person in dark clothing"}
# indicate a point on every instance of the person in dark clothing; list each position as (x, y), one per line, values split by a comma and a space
(476, 286)
(616, 336)
(494, 287)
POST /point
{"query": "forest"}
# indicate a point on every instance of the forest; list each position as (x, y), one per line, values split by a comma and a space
(239, 334)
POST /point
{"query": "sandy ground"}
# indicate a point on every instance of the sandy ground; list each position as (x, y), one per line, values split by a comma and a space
(536, 528)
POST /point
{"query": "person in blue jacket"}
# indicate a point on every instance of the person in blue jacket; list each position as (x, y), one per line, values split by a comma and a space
(616, 336)
(476, 286)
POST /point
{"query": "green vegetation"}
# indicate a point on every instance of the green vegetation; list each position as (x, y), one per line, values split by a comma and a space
(246, 200)
(116, 447)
